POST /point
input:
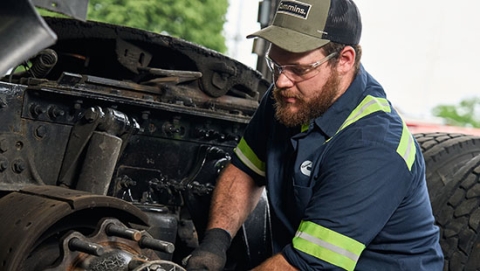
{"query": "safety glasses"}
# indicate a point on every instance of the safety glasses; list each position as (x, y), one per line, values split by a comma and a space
(297, 73)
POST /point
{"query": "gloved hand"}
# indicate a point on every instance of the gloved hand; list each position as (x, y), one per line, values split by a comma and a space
(211, 254)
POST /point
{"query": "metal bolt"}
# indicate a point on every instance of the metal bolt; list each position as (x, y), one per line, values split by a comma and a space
(75, 244)
(55, 112)
(41, 131)
(3, 165)
(148, 242)
(19, 145)
(91, 114)
(78, 105)
(36, 110)
(115, 230)
(19, 166)
(3, 145)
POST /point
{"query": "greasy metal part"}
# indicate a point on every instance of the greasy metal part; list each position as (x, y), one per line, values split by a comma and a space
(119, 84)
(118, 123)
(161, 90)
(204, 153)
(124, 232)
(101, 251)
(108, 120)
(163, 189)
(76, 244)
(163, 225)
(19, 167)
(171, 76)
(26, 33)
(220, 74)
(78, 140)
(162, 246)
(29, 217)
(131, 56)
(99, 163)
(43, 63)
(76, 9)
(158, 265)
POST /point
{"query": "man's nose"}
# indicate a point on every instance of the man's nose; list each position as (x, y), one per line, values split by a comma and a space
(282, 81)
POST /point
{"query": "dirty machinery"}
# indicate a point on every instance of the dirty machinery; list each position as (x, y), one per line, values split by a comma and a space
(110, 145)
(112, 139)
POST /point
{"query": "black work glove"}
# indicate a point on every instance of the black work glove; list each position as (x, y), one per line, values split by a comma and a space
(211, 254)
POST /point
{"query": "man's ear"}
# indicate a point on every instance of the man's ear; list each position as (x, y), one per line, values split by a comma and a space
(346, 60)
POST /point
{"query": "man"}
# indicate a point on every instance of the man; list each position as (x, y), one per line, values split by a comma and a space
(345, 178)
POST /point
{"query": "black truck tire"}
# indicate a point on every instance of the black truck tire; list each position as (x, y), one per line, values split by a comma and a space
(444, 154)
(458, 216)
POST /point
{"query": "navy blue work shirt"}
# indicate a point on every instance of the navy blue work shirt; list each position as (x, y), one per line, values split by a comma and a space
(348, 190)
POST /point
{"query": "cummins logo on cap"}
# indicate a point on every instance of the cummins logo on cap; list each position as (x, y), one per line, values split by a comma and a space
(294, 8)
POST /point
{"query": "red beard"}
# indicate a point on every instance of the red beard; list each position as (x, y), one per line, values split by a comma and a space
(305, 109)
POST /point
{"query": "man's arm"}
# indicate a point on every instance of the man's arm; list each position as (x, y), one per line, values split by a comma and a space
(235, 196)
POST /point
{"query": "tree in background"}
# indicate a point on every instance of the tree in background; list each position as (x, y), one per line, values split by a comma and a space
(466, 114)
(197, 21)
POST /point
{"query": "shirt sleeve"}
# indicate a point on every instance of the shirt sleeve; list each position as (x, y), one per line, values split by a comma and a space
(250, 153)
(355, 191)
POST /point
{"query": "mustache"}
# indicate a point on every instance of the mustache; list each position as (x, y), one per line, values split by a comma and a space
(286, 93)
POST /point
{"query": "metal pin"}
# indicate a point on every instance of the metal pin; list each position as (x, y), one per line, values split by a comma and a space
(115, 230)
(75, 244)
(148, 242)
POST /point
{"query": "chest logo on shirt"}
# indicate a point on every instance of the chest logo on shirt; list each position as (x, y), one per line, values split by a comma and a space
(306, 168)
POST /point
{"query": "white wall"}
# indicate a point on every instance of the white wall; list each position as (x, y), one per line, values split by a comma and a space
(423, 52)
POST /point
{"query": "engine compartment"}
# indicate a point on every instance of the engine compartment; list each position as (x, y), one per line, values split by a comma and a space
(130, 116)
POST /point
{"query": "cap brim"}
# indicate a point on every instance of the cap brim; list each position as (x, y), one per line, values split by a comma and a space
(289, 40)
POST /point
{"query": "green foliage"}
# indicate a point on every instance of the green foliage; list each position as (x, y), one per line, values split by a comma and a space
(466, 114)
(197, 21)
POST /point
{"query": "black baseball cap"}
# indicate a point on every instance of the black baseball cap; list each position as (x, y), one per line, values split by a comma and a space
(301, 26)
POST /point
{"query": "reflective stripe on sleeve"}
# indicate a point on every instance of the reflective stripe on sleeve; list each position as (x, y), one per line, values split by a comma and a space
(327, 245)
(249, 158)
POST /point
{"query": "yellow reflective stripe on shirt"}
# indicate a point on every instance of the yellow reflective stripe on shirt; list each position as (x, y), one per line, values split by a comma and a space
(368, 106)
(406, 149)
(249, 158)
(327, 245)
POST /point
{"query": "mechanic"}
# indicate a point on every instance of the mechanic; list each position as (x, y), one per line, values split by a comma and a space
(345, 179)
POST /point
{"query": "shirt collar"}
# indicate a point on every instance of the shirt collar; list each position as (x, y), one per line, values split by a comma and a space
(334, 117)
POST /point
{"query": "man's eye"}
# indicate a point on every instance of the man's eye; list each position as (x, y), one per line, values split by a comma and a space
(300, 70)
